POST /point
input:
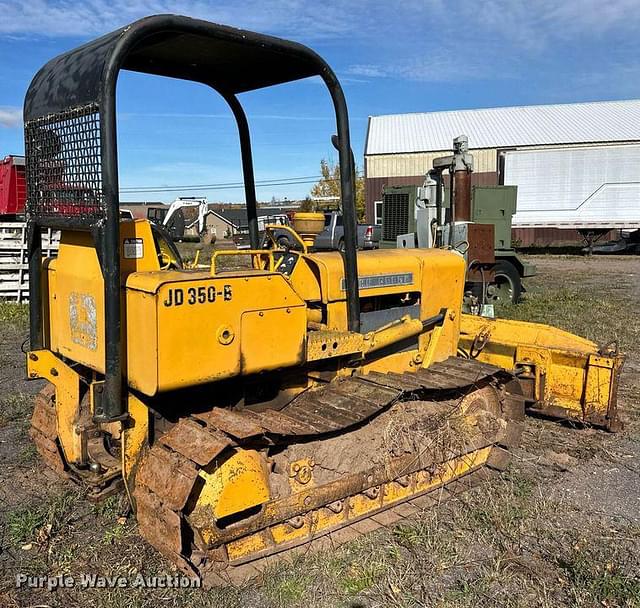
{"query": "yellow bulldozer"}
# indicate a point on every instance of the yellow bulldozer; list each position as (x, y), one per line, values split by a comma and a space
(323, 392)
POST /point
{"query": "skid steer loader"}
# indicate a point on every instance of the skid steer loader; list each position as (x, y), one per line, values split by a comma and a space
(324, 393)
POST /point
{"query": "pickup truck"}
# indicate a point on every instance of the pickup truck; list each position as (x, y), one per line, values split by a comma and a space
(332, 237)
(241, 238)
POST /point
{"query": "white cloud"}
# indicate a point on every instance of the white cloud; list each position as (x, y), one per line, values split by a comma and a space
(534, 25)
(620, 79)
(445, 41)
(65, 18)
(434, 68)
(529, 23)
(10, 117)
(369, 71)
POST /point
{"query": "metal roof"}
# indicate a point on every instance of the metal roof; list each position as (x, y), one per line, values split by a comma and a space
(576, 123)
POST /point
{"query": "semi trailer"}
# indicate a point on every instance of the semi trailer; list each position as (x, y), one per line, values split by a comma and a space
(590, 189)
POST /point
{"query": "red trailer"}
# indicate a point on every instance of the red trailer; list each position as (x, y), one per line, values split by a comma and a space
(13, 187)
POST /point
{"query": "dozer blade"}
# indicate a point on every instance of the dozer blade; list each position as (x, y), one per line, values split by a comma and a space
(562, 375)
(224, 492)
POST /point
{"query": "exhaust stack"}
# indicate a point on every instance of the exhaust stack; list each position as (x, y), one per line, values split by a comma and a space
(462, 168)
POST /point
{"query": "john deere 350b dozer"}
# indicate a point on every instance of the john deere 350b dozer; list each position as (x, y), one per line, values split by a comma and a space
(322, 392)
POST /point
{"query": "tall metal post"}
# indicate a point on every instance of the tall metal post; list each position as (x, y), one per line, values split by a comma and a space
(111, 406)
(347, 189)
(34, 252)
(247, 169)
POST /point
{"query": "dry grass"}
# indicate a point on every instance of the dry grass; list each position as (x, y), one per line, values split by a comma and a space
(14, 315)
(596, 298)
(515, 542)
(504, 544)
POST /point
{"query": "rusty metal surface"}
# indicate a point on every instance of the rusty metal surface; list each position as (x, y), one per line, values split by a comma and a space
(340, 404)
(168, 475)
(196, 442)
(158, 524)
(48, 451)
(481, 241)
(278, 423)
(290, 507)
(231, 423)
(462, 195)
(44, 419)
(453, 374)
(43, 431)
(44, 414)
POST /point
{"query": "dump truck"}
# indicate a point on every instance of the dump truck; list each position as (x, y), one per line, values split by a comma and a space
(323, 391)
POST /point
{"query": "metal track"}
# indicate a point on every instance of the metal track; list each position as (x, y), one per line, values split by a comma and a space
(168, 473)
(43, 431)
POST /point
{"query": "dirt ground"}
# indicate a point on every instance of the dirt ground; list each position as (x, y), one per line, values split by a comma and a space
(560, 528)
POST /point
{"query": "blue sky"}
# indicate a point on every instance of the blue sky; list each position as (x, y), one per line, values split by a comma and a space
(409, 56)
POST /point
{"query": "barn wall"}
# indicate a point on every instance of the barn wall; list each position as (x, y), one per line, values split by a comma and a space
(397, 165)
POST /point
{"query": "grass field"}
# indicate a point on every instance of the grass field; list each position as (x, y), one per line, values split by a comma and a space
(560, 528)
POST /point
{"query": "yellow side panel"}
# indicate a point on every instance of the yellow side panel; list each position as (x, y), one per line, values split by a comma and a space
(77, 303)
(259, 354)
(380, 272)
(135, 436)
(305, 280)
(443, 279)
(142, 341)
(190, 328)
(239, 483)
(438, 276)
(600, 385)
(76, 290)
(49, 291)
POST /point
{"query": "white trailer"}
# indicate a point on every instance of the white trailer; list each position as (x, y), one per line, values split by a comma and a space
(589, 189)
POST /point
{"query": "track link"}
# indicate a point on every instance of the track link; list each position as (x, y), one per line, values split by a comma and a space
(44, 432)
(359, 502)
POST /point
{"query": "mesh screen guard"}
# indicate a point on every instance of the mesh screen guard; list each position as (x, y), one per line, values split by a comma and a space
(64, 168)
(395, 215)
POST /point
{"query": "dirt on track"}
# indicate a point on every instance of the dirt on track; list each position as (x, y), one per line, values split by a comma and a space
(560, 528)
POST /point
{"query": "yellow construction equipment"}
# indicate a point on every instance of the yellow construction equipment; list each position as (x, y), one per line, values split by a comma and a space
(322, 392)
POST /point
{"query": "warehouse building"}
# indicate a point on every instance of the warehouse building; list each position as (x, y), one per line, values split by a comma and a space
(569, 161)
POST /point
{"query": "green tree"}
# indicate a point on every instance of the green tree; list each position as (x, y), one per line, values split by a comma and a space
(329, 185)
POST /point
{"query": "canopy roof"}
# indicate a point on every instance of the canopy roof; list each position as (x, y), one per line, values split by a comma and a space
(229, 59)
